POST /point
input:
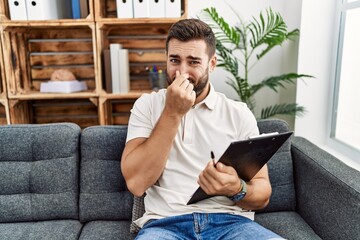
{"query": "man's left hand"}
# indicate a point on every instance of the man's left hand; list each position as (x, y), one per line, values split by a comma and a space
(219, 180)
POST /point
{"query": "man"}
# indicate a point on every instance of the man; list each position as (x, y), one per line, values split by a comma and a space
(171, 134)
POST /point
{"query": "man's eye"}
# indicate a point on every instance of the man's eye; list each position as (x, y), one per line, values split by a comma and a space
(194, 62)
(174, 60)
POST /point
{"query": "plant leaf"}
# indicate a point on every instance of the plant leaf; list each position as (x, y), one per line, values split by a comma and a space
(292, 109)
(221, 28)
(271, 32)
(277, 81)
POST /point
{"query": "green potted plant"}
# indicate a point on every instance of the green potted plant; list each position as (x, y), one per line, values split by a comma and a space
(241, 46)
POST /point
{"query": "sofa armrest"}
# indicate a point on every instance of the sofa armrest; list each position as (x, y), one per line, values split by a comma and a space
(327, 191)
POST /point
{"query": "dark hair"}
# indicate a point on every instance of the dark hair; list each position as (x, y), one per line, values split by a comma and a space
(192, 29)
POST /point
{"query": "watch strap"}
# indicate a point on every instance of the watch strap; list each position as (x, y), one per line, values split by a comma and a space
(240, 195)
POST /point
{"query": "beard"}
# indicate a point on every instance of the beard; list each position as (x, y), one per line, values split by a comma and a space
(201, 82)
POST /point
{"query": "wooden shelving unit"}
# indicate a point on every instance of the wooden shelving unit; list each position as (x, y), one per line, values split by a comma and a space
(4, 106)
(32, 50)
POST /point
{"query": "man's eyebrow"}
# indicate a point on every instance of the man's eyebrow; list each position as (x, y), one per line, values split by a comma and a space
(174, 56)
(188, 57)
(194, 58)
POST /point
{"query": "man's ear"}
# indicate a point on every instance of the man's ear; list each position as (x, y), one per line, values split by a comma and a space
(213, 62)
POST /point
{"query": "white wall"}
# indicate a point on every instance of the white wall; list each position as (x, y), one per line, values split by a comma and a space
(316, 57)
(278, 61)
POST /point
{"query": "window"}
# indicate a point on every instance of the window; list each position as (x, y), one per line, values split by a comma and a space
(345, 126)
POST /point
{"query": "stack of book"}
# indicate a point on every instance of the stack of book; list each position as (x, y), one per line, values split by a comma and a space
(116, 66)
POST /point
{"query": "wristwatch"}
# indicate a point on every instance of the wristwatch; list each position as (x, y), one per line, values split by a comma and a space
(240, 195)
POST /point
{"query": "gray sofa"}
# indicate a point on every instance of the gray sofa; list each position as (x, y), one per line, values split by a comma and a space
(60, 182)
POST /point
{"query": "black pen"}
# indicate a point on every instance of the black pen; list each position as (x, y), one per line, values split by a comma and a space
(213, 157)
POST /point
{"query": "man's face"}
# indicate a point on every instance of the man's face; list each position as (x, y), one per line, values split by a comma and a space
(191, 58)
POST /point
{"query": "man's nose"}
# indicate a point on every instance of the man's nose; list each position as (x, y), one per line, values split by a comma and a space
(183, 68)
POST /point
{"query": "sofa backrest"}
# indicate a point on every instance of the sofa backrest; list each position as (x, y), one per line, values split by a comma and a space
(103, 192)
(280, 170)
(39, 172)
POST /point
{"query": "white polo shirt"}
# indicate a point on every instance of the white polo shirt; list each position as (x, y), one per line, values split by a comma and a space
(209, 126)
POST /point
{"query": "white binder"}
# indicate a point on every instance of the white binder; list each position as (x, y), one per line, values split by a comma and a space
(48, 9)
(124, 71)
(115, 67)
(172, 8)
(141, 8)
(125, 8)
(157, 8)
(17, 10)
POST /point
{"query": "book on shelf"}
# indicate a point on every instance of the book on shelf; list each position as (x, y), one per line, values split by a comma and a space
(119, 68)
(107, 71)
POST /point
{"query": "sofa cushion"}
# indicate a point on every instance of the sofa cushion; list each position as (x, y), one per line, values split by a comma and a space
(54, 230)
(106, 230)
(326, 187)
(287, 224)
(103, 191)
(39, 172)
(280, 170)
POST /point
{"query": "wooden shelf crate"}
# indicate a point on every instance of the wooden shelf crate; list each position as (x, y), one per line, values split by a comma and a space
(107, 9)
(115, 111)
(4, 112)
(33, 53)
(2, 73)
(83, 112)
(146, 45)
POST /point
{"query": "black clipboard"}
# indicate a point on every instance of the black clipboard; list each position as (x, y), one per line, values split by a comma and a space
(247, 157)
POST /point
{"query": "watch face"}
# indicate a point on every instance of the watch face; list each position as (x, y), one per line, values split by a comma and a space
(238, 196)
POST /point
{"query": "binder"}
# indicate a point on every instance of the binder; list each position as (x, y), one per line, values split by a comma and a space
(115, 73)
(247, 157)
(141, 8)
(172, 8)
(157, 8)
(17, 10)
(75, 8)
(125, 8)
(48, 9)
(124, 71)
(84, 8)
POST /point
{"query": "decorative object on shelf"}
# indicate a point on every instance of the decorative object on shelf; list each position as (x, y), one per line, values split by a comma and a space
(241, 46)
(62, 81)
(62, 75)
(157, 78)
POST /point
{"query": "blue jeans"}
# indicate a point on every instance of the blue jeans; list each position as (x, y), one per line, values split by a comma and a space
(205, 226)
